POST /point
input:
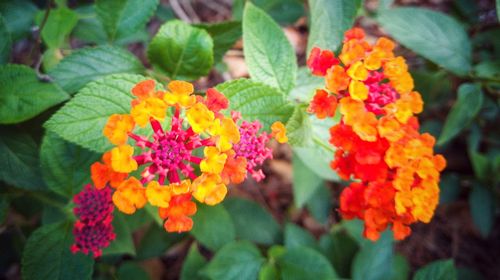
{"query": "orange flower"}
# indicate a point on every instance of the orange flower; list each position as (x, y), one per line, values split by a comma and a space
(336, 79)
(213, 162)
(235, 169)
(102, 174)
(180, 94)
(144, 89)
(323, 104)
(320, 61)
(200, 117)
(122, 160)
(209, 189)
(158, 195)
(130, 196)
(279, 132)
(177, 214)
(151, 107)
(118, 127)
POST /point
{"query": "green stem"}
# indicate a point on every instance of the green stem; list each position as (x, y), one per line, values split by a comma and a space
(322, 144)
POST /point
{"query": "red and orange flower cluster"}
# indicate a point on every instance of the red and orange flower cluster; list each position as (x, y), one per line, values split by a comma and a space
(394, 170)
(193, 151)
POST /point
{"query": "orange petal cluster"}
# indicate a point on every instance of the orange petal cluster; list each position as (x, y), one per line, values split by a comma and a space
(393, 168)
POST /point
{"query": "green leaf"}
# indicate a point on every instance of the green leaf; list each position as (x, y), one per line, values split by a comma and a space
(18, 16)
(285, 12)
(298, 128)
(123, 243)
(6, 43)
(319, 204)
(305, 263)
(23, 96)
(213, 226)
(305, 86)
(47, 255)
(268, 272)
(19, 166)
(468, 104)
(374, 260)
(498, 9)
(400, 268)
(90, 64)
(252, 221)
(239, 260)
(437, 270)
(82, 119)
(156, 242)
(449, 188)
(433, 35)
(122, 17)
(296, 236)
(305, 182)
(4, 208)
(480, 164)
(65, 166)
(268, 53)
(329, 21)
(130, 271)
(192, 265)
(58, 26)
(224, 35)
(182, 51)
(482, 208)
(339, 248)
(256, 101)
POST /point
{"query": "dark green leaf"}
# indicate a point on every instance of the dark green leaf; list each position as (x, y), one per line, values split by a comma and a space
(305, 263)
(450, 188)
(320, 204)
(468, 104)
(156, 241)
(131, 271)
(58, 26)
(374, 260)
(23, 96)
(482, 208)
(252, 222)
(437, 270)
(182, 51)
(6, 43)
(122, 17)
(123, 243)
(433, 35)
(480, 164)
(90, 64)
(329, 21)
(283, 11)
(47, 255)
(236, 261)
(213, 226)
(256, 101)
(465, 273)
(18, 16)
(340, 249)
(82, 120)
(20, 165)
(192, 265)
(4, 208)
(268, 53)
(498, 9)
(400, 268)
(296, 236)
(224, 35)
(305, 182)
(65, 166)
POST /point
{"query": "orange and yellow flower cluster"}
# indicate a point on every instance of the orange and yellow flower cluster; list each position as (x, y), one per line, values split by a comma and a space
(193, 151)
(394, 170)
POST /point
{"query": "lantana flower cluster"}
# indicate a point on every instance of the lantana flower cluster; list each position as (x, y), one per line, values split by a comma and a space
(171, 147)
(393, 170)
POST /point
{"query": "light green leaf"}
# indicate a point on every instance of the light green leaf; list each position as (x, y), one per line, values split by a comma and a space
(58, 26)
(468, 104)
(82, 119)
(374, 260)
(90, 64)
(305, 263)
(19, 166)
(298, 128)
(182, 51)
(339, 248)
(268, 272)
(252, 222)
(400, 268)
(305, 86)
(268, 53)
(6, 43)
(65, 166)
(256, 101)
(239, 260)
(18, 16)
(296, 236)
(213, 226)
(329, 21)
(224, 35)
(305, 182)
(47, 255)
(433, 35)
(437, 270)
(123, 243)
(192, 265)
(123, 17)
(482, 208)
(319, 204)
(23, 96)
